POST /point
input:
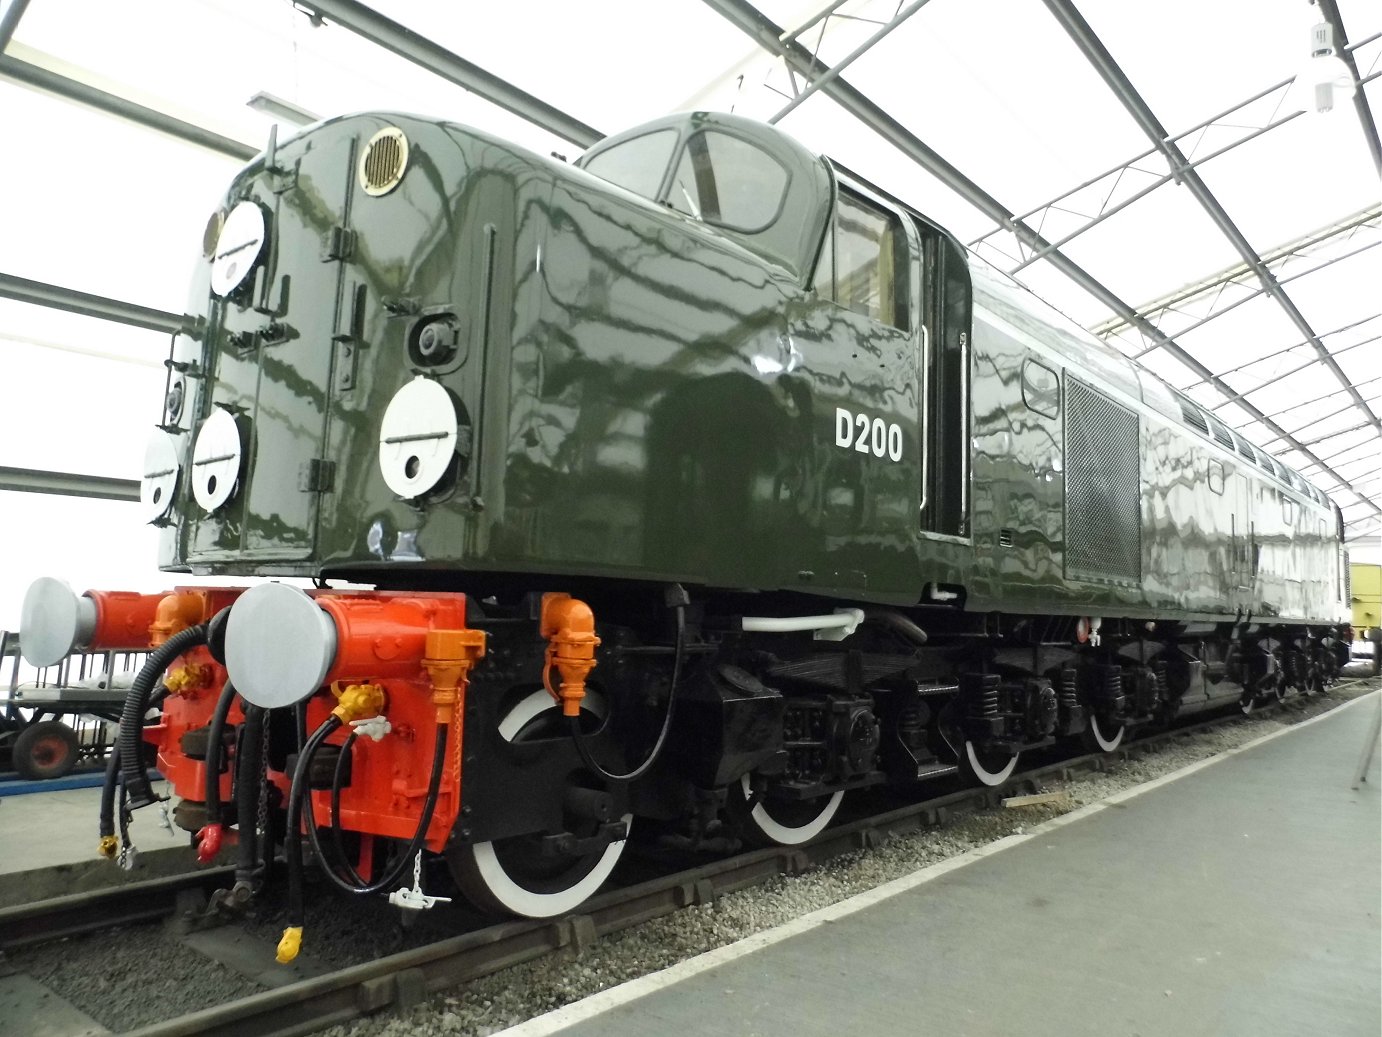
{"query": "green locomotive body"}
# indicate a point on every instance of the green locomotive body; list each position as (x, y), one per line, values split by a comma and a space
(842, 506)
(814, 390)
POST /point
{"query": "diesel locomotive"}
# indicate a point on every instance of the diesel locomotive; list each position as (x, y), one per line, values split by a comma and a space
(685, 488)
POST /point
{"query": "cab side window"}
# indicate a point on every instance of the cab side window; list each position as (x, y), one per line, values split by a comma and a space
(638, 164)
(1041, 389)
(863, 266)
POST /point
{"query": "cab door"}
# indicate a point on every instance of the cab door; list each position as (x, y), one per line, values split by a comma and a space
(944, 420)
(856, 343)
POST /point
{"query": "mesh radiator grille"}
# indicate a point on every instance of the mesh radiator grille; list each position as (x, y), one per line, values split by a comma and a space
(1103, 492)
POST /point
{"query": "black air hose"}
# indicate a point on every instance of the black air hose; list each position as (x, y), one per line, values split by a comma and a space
(136, 778)
(337, 778)
(292, 840)
(249, 777)
(353, 883)
(215, 739)
(299, 791)
(108, 845)
(578, 736)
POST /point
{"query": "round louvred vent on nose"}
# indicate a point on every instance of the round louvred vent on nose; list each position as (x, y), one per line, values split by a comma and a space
(384, 161)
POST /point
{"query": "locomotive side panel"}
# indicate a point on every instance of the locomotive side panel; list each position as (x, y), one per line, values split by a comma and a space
(641, 439)
(1188, 506)
(1018, 464)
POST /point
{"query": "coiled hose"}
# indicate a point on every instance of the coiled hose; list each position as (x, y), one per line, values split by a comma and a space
(137, 788)
(298, 792)
(353, 883)
(578, 736)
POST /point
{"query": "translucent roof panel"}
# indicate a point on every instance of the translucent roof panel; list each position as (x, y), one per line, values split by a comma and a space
(1256, 179)
(91, 392)
(132, 202)
(49, 535)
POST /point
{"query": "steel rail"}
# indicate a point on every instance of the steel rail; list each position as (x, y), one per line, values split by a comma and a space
(43, 921)
(1330, 10)
(10, 22)
(87, 304)
(47, 80)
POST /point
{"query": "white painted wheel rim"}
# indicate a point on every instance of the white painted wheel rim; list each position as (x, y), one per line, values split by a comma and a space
(1106, 744)
(986, 776)
(788, 835)
(509, 894)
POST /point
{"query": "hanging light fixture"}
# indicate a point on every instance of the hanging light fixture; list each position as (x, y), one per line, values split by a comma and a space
(1325, 82)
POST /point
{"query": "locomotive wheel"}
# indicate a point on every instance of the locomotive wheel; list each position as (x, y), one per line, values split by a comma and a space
(511, 876)
(47, 749)
(1102, 738)
(776, 822)
(989, 769)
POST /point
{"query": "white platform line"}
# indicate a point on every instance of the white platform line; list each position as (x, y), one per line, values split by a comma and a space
(596, 1004)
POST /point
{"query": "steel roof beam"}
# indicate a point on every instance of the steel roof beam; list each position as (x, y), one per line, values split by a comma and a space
(1259, 292)
(407, 44)
(1094, 50)
(1303, 246)
(11, 21)
(1321, 399)
(1296, 345)
(1330, 10)
(69, 484)
(38, 293)
(47, 80)
(769, 36)
(848, 60)
(1114, 176)
(1234, 396)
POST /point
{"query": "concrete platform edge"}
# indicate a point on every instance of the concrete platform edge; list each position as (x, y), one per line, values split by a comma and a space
(591, 1007)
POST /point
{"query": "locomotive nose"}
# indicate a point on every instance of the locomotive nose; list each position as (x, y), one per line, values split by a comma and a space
(279, 645)
(53, 621)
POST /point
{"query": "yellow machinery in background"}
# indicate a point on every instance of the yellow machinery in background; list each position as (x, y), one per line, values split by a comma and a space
(1366, 592)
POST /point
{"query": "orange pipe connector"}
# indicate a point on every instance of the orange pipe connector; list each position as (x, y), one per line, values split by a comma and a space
(450, 654)
(569, 626)
(123, 619)
(175, 613)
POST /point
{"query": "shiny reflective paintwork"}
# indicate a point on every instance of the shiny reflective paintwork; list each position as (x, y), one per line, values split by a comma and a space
(644, 397)
(1197, 543)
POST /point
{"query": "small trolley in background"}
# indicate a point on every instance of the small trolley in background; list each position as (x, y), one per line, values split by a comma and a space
(55, 717)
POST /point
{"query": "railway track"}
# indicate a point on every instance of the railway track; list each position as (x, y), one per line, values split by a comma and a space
(405, 978)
